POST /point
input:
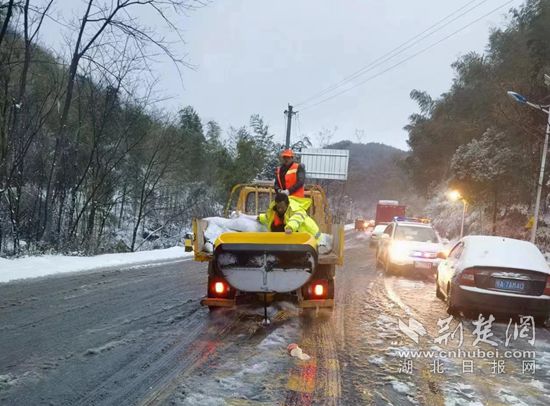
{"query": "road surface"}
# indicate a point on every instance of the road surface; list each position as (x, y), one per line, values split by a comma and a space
(138, 336)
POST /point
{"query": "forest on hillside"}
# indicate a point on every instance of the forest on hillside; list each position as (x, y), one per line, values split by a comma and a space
(86, 163)
(376, 172)
(476, 139)
(89, 165)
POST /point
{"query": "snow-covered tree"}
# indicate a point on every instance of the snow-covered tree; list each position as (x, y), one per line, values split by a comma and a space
(486, 168)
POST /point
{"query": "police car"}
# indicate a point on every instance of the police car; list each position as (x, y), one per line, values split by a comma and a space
(409, 244)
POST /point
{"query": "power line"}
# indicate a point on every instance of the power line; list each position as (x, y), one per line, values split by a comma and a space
(406, 59)
(398, 50)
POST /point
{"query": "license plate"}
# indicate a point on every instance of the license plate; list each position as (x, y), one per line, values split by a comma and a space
(509, 284)
(422, 265)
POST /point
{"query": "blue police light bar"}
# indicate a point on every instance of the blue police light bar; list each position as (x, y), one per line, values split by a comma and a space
(411, 219)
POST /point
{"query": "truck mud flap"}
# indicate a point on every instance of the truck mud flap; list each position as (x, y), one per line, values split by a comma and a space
(216, 302)
(312, 304)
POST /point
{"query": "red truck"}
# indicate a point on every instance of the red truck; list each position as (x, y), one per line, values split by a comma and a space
(386, 210)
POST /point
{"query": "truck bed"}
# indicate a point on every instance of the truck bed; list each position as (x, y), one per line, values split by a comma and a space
(335, 256)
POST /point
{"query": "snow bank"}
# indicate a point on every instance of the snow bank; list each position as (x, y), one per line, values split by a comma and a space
(348, 227)
(32, 267)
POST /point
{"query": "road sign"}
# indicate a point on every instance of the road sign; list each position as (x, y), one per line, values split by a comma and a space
(325, 163)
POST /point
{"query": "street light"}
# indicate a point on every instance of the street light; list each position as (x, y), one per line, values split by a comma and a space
(455, 195)
(523, 100)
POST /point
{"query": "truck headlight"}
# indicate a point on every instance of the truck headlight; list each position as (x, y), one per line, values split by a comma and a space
(399, 252)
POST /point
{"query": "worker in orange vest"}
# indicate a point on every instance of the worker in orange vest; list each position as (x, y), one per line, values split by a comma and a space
(290, 176)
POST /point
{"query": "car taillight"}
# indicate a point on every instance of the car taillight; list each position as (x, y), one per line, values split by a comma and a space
(547, 287)
(467, 277)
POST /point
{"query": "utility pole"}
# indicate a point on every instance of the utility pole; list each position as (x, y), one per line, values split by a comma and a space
(541, 178)
(546, 109)
(289, 113)
(463, 216)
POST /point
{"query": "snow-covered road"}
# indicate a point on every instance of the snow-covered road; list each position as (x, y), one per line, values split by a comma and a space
(139, 336)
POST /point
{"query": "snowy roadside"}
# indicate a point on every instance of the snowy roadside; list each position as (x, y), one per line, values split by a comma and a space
(33, 267)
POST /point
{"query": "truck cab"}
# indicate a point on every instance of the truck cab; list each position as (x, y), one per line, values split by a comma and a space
(386, 210)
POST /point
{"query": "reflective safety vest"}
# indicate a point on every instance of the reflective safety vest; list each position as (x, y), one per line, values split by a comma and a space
(291, 177)
(296, 217)
(278, 224)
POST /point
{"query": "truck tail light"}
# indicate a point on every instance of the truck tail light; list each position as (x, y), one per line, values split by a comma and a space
(547, 287)
(219, 287)
(318, 289)
(467, 277)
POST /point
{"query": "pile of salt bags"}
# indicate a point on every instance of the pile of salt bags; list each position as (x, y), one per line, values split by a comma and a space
(237, 222)
(246, 223)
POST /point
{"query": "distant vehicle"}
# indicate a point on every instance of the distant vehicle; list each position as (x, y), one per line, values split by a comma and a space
(360, 224)
(376, 234)
(386, 210)
(409, 244)
(487, 273)
(188, 242)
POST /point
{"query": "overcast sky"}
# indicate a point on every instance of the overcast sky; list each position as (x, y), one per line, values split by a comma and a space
(256, 56)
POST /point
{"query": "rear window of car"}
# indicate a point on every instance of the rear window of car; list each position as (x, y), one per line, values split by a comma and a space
(421, 234)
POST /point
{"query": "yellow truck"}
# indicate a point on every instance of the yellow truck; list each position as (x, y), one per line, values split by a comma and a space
(243, 266)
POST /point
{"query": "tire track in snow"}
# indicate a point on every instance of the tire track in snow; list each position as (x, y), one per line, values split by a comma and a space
(482, 385)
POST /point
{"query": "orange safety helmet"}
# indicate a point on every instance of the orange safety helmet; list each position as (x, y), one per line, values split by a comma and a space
(287, 153)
